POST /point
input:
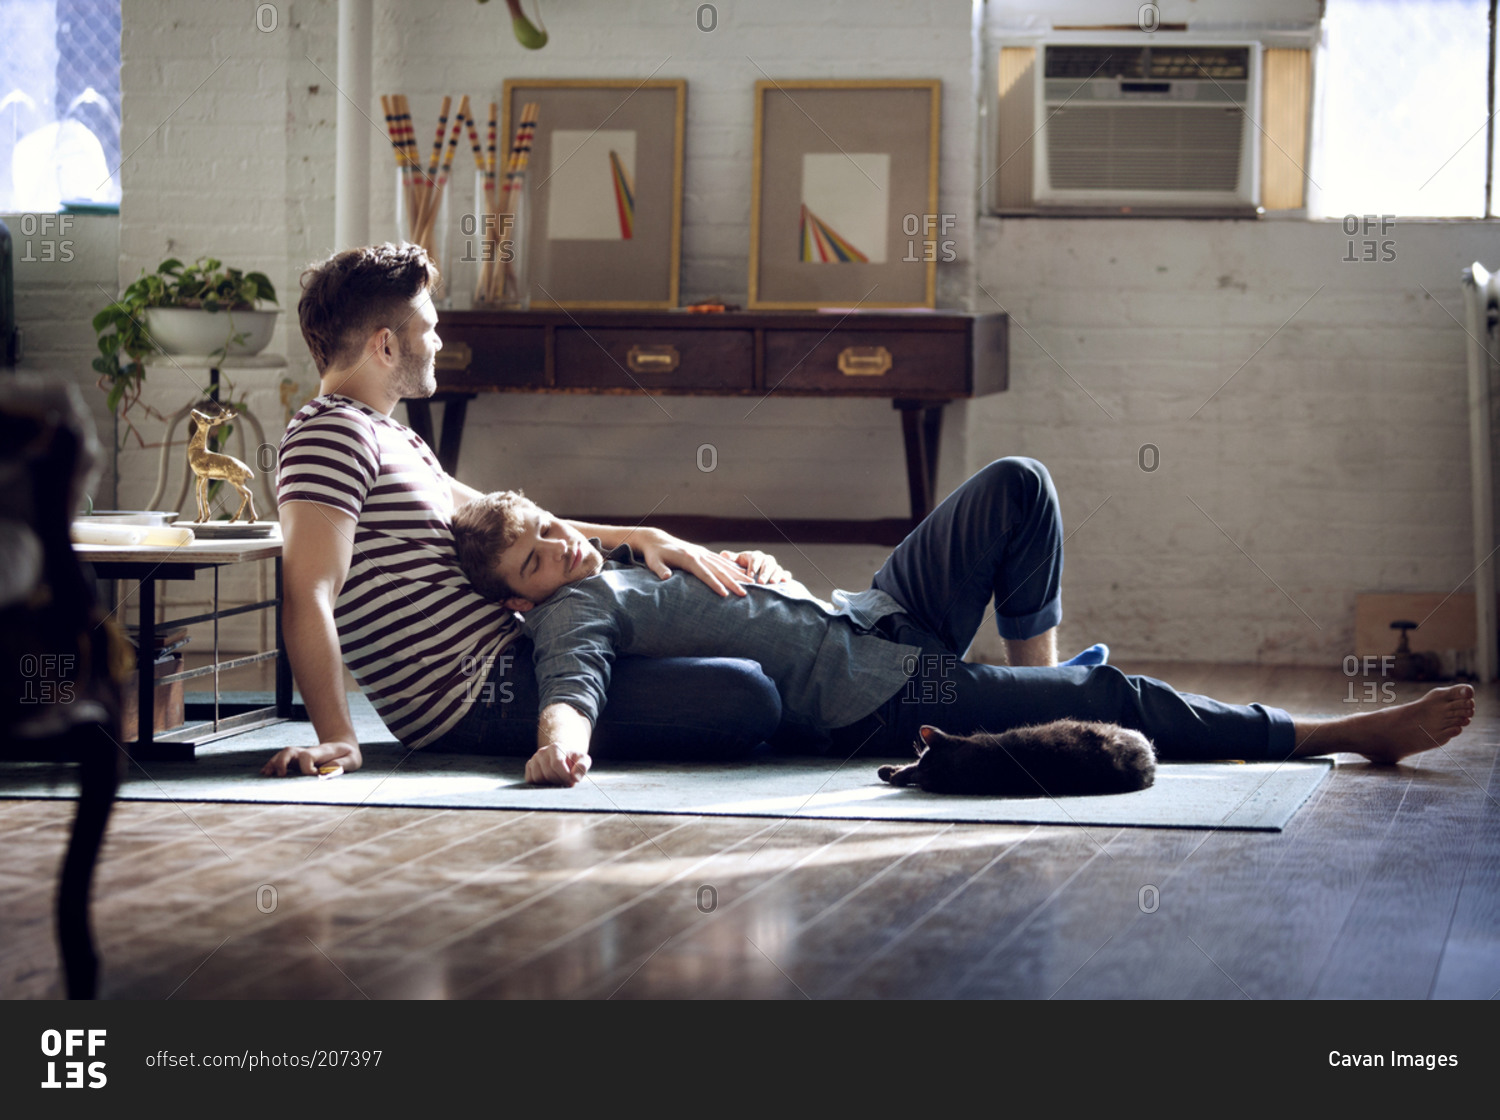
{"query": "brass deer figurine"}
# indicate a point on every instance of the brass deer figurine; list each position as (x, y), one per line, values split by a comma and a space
(208, 465)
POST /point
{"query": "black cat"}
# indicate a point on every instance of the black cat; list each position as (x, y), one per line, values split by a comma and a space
(1062, 758)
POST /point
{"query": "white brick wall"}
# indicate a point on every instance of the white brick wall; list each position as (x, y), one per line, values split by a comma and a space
(1336, 458)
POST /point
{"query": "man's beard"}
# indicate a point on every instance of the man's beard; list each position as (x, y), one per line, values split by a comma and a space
(414, 376)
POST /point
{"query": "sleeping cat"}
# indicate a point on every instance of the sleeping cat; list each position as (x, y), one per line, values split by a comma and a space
(1065, 757)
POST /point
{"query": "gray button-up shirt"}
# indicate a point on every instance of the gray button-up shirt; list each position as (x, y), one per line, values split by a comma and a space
(830, 670)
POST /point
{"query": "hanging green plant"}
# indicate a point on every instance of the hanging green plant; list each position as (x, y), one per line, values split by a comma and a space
(528, 34)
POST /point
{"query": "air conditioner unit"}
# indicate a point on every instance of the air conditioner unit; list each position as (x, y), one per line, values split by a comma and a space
(1159, 127)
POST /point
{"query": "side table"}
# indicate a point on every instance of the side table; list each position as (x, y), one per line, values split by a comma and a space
(147, 566)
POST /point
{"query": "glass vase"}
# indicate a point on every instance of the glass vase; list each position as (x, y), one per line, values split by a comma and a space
(502, 243)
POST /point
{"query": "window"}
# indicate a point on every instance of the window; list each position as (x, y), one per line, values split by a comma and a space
(59, 104)
(1405, 110)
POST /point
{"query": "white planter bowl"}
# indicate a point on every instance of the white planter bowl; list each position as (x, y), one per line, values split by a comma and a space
(187, 330)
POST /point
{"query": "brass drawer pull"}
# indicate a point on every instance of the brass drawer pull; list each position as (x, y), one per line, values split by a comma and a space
(864, 361)
(661, 357)
(454, 356)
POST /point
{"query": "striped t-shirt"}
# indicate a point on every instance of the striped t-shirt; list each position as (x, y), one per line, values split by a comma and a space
(415, 634)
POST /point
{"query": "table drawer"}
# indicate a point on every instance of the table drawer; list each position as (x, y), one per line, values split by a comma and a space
(484, 358)
(923, 363)
(691, 360)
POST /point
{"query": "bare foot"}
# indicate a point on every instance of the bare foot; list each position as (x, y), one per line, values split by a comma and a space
(1392, 734)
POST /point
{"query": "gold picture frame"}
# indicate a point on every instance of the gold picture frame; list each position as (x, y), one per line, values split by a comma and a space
(638, 128)
(865, 152)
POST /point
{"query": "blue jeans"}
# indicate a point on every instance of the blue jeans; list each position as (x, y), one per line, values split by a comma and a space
(997, 540)
(698, 708)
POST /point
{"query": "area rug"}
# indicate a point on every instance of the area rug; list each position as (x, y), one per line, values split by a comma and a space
(1259, 796)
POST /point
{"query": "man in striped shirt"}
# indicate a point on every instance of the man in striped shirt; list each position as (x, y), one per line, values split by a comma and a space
(371, 577)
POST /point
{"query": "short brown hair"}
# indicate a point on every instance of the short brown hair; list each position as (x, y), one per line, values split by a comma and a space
(353, 293)
(482, 530)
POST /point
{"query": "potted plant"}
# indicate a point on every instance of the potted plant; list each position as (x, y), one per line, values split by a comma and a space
(202, 309)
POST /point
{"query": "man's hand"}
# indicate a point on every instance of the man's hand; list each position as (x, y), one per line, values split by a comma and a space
(553, 765)
(662, 552)
(761, 566)
(306, 760)
(562, 752)
(743, 567)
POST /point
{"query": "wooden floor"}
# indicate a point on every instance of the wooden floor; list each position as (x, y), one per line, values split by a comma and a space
(1385, 884)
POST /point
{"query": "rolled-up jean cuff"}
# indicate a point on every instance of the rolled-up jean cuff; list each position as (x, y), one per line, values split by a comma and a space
(1019, 627)
(1282, 735)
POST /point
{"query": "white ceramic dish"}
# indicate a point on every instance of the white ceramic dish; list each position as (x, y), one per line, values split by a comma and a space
(231, 530)
(129, 517)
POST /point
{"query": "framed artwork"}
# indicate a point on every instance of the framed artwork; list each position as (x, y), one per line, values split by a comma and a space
(845, 194)
(605, 185)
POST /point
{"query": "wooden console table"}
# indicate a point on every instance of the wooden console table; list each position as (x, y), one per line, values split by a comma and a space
(919, 361)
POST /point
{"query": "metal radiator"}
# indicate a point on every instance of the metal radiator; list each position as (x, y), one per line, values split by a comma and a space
(1482, 303)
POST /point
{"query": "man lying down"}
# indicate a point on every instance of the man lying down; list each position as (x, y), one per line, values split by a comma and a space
(867, 671)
